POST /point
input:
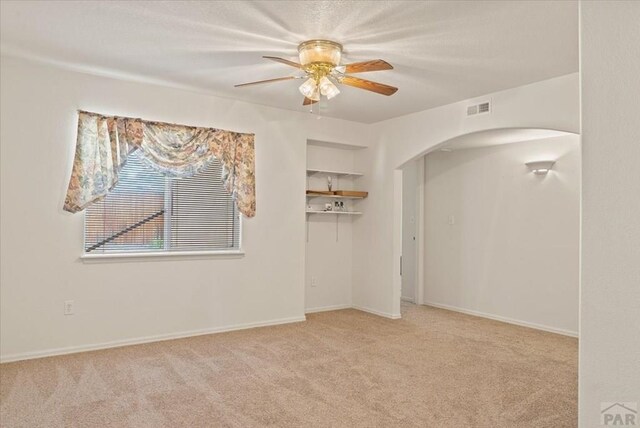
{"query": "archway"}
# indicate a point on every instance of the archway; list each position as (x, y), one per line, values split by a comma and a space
(486, 138)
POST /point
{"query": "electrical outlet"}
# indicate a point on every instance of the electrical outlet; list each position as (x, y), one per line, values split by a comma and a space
(68, 307)
(314, 281)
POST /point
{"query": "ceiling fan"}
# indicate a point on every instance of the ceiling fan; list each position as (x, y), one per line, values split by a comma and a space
(320, 62)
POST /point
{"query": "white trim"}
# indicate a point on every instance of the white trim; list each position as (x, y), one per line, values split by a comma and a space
(378, 313)
(101, 257)
(144, 339)
(327, 308)
(505, 319)
(192, 333)
(420, 233)
(396, 243)
(356, 307)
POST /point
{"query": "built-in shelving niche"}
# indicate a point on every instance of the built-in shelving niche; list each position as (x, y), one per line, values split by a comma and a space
(329, 244)
(319, 202)
(335, 162)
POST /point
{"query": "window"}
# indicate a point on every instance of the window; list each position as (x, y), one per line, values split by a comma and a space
(147, 212)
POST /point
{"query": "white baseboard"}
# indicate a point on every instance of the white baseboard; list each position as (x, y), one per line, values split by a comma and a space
(161, 337)
(376, 312)
(327, 308)
(192, 333)
(141, 340)
(505, 319)
(359, 308)
(407, 299)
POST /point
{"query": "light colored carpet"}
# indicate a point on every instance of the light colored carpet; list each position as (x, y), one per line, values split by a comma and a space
(433, 368)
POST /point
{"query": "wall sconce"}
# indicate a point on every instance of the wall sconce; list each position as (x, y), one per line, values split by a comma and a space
(540, 167)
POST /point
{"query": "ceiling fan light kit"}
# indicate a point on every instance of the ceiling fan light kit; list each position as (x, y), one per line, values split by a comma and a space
(309, 89)
(320, 61)
(327, 88)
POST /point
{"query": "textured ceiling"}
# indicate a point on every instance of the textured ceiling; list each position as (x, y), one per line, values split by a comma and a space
(442, 51)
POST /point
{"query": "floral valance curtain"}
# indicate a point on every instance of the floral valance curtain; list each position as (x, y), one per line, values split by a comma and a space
(105, 142)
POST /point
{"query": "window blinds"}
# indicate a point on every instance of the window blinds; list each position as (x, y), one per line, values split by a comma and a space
(148, 212)
(203, 215)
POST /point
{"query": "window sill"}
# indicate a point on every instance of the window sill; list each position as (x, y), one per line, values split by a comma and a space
(176, 255)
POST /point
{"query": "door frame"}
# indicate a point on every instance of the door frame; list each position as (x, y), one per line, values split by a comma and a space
(418, 274)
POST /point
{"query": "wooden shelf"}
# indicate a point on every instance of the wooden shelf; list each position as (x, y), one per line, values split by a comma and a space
(334, 196)
(338, 173)
(334, 212)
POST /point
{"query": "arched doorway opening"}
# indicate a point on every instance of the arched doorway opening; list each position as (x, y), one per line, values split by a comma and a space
(471, 235)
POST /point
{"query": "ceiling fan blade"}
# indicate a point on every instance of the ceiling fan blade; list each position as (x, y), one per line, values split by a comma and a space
(368, 85)
(373, 65)
(284, 61)
(308, 101)
(267, 81)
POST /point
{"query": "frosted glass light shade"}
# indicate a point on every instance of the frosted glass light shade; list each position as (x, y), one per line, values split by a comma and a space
(316, 95)
(308, 88)
(327, 88)
(324, 51)
(540, 167)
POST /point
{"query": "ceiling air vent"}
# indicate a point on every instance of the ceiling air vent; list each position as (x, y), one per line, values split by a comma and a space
(482, 108)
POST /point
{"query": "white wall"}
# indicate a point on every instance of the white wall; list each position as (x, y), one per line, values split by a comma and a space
(121, 301)
(512, 250)
(329, 242)
(610, 292)
(41, 270)
(551, 104)
(409, 230)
